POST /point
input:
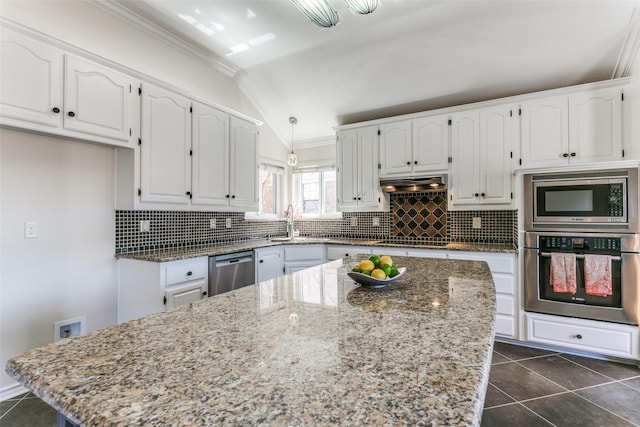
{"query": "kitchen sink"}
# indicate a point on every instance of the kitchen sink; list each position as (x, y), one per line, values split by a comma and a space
(300, 239)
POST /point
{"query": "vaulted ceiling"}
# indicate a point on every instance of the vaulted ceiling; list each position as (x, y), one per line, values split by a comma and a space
(406, 56)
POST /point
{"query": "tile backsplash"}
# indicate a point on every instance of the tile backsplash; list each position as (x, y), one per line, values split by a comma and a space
(413, 218)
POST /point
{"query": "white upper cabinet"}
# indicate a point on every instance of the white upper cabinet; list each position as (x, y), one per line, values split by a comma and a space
(431, 143)
(81, 100)
(595, 125)
(210, 164)
(578, 128)
(358, 178)
(97, 99)
(243, 182)
(165, 162)
(481, 168)
(410, 147)
(545, 132)
(30, 82)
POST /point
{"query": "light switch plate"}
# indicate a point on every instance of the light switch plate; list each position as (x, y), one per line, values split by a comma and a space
(354, 221)
(145, 226)
(228, 222)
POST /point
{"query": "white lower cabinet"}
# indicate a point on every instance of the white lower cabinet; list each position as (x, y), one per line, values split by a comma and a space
(335, 252)
(146, 287)
(269, 263)
(299, 257)
(587, 335)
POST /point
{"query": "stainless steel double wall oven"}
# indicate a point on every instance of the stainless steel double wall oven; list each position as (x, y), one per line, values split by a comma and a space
(583, 214)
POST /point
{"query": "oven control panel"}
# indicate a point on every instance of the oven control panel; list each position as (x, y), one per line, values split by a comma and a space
(570, 243)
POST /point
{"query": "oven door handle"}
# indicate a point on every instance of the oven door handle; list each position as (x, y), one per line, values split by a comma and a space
(578, 256)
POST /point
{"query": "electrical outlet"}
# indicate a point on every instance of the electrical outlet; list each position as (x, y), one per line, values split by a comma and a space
(354, 221)
(69, 328)
(212, 223)
(145, 226)
(477, 222)
(30, 230)
(228, 222)
(376, 221)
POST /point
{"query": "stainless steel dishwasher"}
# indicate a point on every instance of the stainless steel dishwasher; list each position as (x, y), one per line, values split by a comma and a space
(231, 271)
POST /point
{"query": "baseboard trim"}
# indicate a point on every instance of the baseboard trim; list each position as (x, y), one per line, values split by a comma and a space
(12, 391)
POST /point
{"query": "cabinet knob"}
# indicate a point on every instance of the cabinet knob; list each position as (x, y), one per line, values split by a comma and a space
(346, 254)
(482, 194)
(565, 154)
(233, 197)
(189, 273)
(355, 198)
(71, 114)
(56, 110)
(261, 261)
(204, 293)
(573, 154)
(579, 337)
(227, 196)
(415, 162)
(475, 194)
(408, 163)
(359, 198)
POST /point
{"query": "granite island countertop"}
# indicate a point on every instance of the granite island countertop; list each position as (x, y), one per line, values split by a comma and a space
(173, 254)
(311, 348)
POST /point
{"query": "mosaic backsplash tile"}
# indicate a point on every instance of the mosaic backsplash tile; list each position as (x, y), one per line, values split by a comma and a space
(420, 218)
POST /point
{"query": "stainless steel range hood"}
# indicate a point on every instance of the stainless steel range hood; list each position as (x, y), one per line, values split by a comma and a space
(414, 184)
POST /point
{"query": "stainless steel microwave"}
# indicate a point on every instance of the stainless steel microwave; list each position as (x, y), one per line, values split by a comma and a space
(591, 201)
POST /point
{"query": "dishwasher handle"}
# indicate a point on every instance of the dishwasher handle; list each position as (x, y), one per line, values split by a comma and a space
(232, 261)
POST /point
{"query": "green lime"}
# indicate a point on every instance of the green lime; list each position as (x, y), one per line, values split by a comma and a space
(357, 270)
(387, 269)
(368, 273)
(375, 259)
(393, 272)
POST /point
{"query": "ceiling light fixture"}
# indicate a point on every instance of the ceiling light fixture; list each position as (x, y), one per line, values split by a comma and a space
(320, 12)
(361, 7)
(292, 160)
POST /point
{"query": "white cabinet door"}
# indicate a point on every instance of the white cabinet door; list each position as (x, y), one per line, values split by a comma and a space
(369, 178)
(243, 183)
(545, 132)
(465, 164)
(97, 99)
(395, 149)
(269, 263)
(347, 159)
(30, 82)
(431, 143)
(496, 165)
(165, 161)
(210, 167)
(595, 125)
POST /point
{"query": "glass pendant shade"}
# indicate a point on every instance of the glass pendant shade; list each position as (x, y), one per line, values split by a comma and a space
(320, 12)
(362, 7)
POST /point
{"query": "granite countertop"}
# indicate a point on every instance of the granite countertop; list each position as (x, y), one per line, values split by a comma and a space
(165, 255)
(311, 348)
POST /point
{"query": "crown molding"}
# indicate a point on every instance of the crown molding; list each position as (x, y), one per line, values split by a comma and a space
(160, 33)
(316, 142)
(630, 47)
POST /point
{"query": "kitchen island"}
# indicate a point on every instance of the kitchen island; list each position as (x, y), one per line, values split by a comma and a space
(311, 348)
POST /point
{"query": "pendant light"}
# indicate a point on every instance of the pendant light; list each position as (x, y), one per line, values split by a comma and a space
(320, 12)
(361, 7)
(292, 160)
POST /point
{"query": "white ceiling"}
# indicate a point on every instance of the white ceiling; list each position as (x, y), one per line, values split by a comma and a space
(407, 56)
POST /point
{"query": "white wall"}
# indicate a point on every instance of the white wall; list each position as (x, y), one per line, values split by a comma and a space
(633, 145)
(69, 270)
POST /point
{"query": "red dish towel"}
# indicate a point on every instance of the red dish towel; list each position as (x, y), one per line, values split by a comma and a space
(597, 275)
(563, 273)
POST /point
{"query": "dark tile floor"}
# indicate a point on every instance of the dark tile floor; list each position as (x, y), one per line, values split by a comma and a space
(531, 387)
(527, 387)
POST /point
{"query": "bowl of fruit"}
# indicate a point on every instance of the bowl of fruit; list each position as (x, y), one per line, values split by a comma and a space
(375, 272)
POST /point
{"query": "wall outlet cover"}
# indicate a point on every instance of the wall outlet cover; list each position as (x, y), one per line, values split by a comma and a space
(145, 226)
(376, 221)
(354, 221)
(477, 222)
(228, 222)
(30, 230)
(69, 328)
(212, 223)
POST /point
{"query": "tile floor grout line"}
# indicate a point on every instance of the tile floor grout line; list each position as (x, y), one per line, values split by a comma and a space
(605, 409)
(539, 374)
(586, 367)
(536, 414)
(14, 406)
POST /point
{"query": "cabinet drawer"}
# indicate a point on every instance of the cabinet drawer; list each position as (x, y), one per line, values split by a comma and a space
(505, 326)
(337, 252)
(304, 252)
(505, 305)
(504, 284)
(619, 340)
(187, 270)
(498, 263)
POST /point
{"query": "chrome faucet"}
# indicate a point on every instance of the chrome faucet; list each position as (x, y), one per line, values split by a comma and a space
(290, 220)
